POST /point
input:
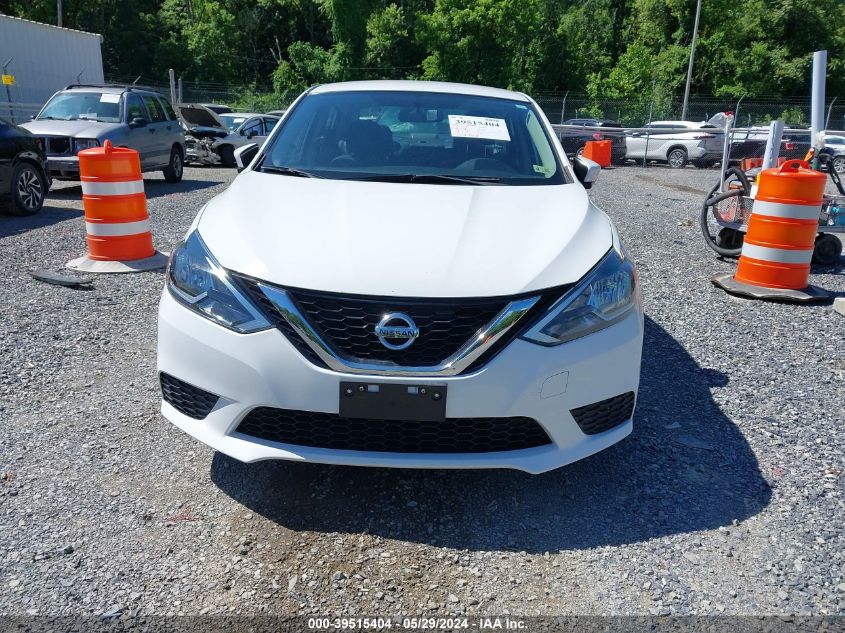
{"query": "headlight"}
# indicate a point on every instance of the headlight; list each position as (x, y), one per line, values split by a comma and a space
(200, 284)
(603, 298)
(84, 143)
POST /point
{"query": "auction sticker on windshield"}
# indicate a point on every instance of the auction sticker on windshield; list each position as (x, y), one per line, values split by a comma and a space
(462, 126)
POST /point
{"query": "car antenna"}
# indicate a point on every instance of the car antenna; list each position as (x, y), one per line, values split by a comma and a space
(136, 80)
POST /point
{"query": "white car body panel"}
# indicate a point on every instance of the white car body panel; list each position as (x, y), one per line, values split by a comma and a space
(440, 241)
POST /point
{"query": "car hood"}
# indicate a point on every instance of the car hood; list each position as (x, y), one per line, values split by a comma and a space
(197, 115)
(79, 128)
(398, 239)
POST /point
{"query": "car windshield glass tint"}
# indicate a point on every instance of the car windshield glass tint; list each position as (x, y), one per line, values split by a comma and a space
(92, 106)
(232, 122)
(416, 135)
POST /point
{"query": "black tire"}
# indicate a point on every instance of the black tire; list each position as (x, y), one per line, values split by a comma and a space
(227, 156)
(176, 167)
(828, 250)
(677, 158)
(27, 192)
(724, 241)
(838, 165)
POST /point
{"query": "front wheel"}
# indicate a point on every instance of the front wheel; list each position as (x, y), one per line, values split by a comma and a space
(227, 156)
(677, 158)
(828, 249)
(29, 187)
(175, 168)
(838, 165)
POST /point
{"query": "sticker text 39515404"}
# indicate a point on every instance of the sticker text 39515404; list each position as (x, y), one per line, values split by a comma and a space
(462, 126)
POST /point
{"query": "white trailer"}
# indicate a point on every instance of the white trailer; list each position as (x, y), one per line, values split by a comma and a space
(41, 59)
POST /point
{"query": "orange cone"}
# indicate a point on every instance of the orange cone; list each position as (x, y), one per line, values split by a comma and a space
(116, 219)
(778, 247)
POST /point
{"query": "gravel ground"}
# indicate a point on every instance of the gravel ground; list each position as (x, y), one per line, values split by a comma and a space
(727, 498)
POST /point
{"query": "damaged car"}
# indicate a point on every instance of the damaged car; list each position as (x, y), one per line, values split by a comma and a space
(203, 128)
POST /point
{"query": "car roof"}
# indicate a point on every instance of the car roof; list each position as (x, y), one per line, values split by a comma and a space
(679, 123)
(107, 89)
(420, 86)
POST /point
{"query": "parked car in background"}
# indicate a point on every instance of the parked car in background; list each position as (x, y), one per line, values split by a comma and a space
(82, 116)
(278, 113)
(24, 178)
(834, 147)
(329, 306)
(217, 108)
(574, 139)
(243, 127)
(203, 128)
(677, 143)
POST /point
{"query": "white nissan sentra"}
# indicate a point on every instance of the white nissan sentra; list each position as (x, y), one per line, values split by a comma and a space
(405, 274)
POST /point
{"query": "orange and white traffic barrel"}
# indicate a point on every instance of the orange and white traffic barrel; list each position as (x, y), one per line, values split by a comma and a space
(116, 220)
(778, 247)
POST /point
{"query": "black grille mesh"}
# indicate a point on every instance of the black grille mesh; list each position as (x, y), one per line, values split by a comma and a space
(604, 415)
(186, 399)
(347, 324)
(454, 435)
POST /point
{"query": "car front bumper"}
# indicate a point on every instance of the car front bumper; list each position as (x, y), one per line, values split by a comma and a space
(63, 166)
(524, 379)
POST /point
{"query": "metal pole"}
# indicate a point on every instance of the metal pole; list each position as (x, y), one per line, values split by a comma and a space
(179, 91)
(829, 112)
(563, 107)
(648, 134)
(59, 13)
(726, 152)
(691, 61)
(8, 92)
(817, 105)
(172, 86)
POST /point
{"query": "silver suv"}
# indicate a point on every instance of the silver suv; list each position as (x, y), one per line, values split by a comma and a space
(82, 116)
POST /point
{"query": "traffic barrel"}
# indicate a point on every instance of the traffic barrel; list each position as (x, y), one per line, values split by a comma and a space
(778, 247)
(116, 220)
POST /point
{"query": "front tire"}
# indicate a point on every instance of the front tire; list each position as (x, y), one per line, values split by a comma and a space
(838, 165)
(28, 190)
(175, 168)
(677, 158)
(828, 250)
(227, 156)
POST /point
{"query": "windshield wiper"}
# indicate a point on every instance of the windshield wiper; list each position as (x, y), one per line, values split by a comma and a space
(432, 178)
(287, 171)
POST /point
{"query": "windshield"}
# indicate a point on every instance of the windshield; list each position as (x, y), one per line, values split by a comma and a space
(91, 106)
(395, 135)
(231, 122)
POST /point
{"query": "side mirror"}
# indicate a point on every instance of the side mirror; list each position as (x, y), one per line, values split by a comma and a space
(138, 121)
(244, 155)
(586, 171)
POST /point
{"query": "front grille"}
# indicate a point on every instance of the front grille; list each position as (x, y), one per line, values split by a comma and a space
(57, 145)
(604, 415)
(453, 435)
(186, 399)
(347, 324)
